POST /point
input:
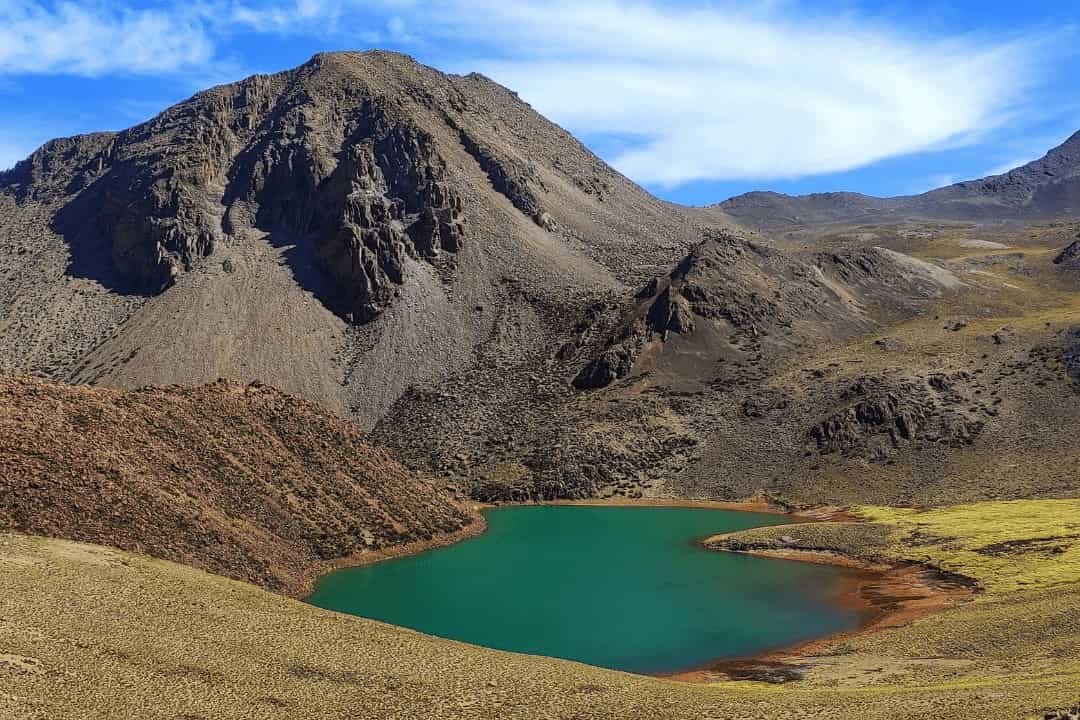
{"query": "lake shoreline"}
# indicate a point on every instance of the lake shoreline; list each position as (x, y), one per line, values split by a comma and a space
(891, 595)
(304, 586)
(759, 504)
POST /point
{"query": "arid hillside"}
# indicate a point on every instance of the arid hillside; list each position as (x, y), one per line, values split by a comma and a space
(242, 481)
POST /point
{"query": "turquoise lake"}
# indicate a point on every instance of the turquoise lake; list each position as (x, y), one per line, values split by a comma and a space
(627, 588)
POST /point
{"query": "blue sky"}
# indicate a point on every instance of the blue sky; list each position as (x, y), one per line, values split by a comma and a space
(695, 100)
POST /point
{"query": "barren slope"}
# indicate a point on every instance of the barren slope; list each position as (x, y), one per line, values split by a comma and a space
(970, 398)
(242, 481)
(426, 254)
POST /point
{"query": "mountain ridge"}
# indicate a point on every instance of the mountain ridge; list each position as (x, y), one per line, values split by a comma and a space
(364, 192)
(1046, 188)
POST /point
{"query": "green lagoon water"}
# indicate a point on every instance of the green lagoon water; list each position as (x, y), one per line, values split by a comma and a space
(618, 587)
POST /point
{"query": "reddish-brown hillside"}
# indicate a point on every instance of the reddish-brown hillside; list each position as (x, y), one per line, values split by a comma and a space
(244, 481)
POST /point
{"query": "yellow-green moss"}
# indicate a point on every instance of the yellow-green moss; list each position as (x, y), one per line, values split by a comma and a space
(1005, 546)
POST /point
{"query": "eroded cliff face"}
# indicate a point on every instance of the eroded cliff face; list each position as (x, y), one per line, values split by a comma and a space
(382, 198)
(318, 157)
(877, 415)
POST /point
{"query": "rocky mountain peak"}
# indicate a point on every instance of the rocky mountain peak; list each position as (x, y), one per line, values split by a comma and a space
(355, 158)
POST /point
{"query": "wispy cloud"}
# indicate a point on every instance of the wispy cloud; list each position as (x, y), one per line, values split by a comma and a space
(717, 93)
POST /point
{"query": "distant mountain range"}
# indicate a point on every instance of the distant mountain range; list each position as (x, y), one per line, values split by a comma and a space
(1043, 189)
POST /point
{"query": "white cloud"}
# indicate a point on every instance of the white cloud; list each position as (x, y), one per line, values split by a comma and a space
(92, 39)
(713, 93)
(300, 17)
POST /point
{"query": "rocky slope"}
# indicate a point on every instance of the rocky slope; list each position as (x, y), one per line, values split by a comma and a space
(964, 396)
(742, 301)
(343, 231)
(1068, 260)
(243, 481)
(1045, 188)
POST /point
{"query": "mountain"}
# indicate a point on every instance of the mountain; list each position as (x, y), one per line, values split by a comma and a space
(243, 481)
(341, 231)
(733, 299)
(423, 294)
(1044, 189)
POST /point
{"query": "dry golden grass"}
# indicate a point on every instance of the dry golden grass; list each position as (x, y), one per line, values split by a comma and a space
(1024, 627)
(96, 632)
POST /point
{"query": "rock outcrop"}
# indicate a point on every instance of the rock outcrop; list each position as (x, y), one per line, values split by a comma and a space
(727, 280)
(1071, 713)
(387, 201)
(1068, 260)
(1069, 342)
(878, 415)
(306, 156)
(751, 297)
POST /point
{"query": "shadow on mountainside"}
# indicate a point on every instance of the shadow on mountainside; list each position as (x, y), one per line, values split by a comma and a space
(90, 250)
(299, 256)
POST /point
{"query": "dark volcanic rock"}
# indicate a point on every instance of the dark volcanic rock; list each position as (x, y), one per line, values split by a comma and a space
(1070, 351)
(670, 312)
(765, 402)
(511, 178)
(615, 362)
(385, 202)
(753, 297)
(726, 279)
(1069, 255)
(1068, 260)
(314, 157)
(878, 415)
(1072, 713)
